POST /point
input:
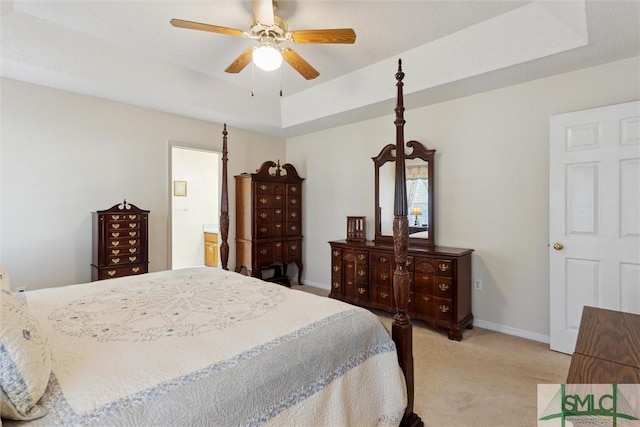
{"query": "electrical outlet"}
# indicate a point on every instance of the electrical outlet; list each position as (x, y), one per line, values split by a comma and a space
(477, 284)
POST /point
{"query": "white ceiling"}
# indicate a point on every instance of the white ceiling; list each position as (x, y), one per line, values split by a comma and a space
(127, 51)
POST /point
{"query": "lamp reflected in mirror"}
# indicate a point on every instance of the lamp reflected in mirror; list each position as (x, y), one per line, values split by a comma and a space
(415, 210)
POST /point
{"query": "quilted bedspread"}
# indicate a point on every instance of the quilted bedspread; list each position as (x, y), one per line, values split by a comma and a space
(210, 347)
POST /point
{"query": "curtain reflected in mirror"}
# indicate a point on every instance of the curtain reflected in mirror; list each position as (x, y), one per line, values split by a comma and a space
(419, 175)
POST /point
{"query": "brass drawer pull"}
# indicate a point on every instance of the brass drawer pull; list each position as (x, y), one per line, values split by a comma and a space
(293, 247)
(443, 286)
(278, 211)
(132, 225)
(336, 268)
(294, 214)
(115, 226)
(278, 244)
(263, 251)
(444, 308)
(133, 233)
(278, 225)
(425, 298)
(132, 242)
(294, 227)
(111, 273)
(336, 285)
(115, 260)
(294, 201)
(263, 186)
(361, 273)
(133, 258)
(263, 215)
(384, 276)
(115, 234)
(132, 250)
(115, 243)
(294, 188)
(264, 201)
(362, 257)
(336, 253)
(133, 216)
(444, 267)
(361, 291)
(115, 251)
(278, 197)
(116, 217)
(135, 269)
(263, 229)
(349, 266)
(384, 295)
(383, 259)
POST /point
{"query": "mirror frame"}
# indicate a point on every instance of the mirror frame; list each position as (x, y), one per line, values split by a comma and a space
(387, 154)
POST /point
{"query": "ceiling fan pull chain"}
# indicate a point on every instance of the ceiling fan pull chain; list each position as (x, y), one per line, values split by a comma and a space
(280, 82)
(253, 92)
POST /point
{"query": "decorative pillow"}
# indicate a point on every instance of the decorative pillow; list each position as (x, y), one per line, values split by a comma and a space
(25, 360)
(4, 279)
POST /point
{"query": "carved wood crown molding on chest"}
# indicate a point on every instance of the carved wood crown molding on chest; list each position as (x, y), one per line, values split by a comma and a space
(271, 170)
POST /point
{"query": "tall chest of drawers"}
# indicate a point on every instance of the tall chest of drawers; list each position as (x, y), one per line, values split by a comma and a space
(120, 242)
(269, 219)
(440, 282)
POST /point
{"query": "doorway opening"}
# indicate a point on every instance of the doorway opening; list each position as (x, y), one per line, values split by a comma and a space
(195, 204)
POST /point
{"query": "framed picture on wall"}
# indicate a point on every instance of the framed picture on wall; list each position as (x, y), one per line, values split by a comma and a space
(180, 188)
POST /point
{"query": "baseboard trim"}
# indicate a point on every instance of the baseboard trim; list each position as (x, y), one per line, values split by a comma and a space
(511, 331)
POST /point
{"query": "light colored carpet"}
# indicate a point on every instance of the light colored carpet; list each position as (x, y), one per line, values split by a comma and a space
(487, 379)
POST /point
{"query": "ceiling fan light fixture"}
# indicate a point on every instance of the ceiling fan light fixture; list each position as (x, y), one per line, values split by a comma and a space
(267, 58)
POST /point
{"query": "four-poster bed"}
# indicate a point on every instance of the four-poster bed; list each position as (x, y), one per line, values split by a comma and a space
(206, 346)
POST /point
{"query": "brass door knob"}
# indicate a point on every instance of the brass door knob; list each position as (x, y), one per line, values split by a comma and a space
(558, 246)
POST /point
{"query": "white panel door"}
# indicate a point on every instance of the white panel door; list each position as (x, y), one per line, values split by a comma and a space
(594, 200)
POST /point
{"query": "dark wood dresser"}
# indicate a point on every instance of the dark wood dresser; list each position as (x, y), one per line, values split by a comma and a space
(269, 220)
(608, 348)
(120, 242)
(440, 281)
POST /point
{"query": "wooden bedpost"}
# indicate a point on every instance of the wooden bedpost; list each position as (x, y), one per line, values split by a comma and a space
(224, 205)
(401, 329)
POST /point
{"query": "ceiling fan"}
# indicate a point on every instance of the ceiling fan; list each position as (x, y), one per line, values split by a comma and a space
(270, 30)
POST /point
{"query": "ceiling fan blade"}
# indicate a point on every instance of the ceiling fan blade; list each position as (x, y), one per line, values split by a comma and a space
(263, 11)
(240, 62)
(339, 35)
(299, 64)
(207, 27)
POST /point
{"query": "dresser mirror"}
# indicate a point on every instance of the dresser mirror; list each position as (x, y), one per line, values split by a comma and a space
(419, 171)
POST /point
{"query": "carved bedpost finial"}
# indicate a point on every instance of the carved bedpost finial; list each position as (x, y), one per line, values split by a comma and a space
(224, 205)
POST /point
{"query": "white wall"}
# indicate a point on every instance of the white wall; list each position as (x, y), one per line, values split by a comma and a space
(491, 184)
(65, 155)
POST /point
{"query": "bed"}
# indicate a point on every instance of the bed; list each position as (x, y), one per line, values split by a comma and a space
(206, 346)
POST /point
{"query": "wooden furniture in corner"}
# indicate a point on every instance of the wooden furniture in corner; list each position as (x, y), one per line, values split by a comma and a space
(269, 219)
(439, 282)
(120, 242)
(211, 249)
(608, 348)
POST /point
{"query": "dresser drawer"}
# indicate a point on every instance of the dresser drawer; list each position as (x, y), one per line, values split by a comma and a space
(443, 309)
(120, 251)
(356, 290)
(123, 217)
(270, 188)
(355, 272)
(381, 259)
(424, 265)
(122, 243)
(268, 229)
(293, 228)
(269, 201)
(381, 295)
(423, 282)
(122, 259)
(423, 303)
(444, 268)
(294, 215)
(443, 287)
(111, 273)
(381, 276)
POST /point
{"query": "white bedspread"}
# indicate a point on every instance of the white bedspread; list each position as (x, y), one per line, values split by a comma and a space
(206, 346)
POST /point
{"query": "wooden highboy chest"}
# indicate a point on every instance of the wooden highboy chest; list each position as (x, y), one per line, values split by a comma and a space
(120, 242)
